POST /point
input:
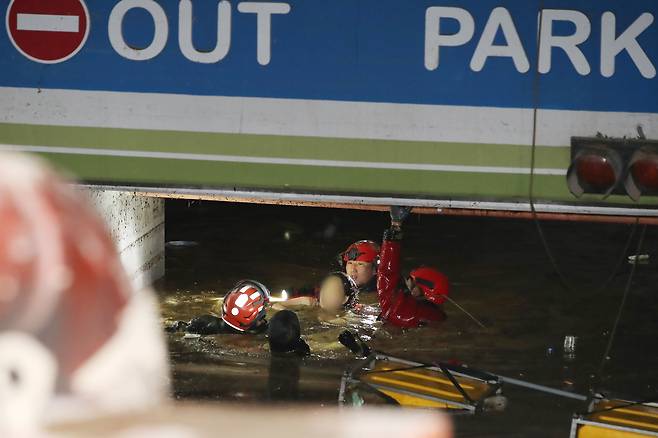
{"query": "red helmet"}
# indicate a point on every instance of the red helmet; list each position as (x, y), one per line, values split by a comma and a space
(434, 284)
(361, 251)
(244, 305)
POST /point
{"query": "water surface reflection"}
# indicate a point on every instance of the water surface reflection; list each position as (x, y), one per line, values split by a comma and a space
(499, 272)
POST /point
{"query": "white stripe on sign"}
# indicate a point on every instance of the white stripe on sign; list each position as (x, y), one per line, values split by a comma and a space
(312, 118)
(266, 116)
(282, 161)
(48, 23)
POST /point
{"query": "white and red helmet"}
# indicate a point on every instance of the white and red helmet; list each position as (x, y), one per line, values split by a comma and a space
(245, 305)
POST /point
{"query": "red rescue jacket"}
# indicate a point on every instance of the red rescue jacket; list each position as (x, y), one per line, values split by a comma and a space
(397, 304)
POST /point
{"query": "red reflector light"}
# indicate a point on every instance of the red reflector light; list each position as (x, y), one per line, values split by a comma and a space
(596, 170)
(606, 166)
(645, 173)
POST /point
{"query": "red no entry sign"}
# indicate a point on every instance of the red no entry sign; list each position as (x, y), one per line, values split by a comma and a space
(48, 31)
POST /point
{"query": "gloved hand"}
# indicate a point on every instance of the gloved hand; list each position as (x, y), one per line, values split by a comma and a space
(398, 214)
(176, 326)
(354, 344)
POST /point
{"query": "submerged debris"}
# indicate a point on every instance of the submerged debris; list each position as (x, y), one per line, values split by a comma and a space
(640, 259)
(181, 244)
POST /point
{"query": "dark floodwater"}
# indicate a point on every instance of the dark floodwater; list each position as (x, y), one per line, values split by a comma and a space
(499, 272)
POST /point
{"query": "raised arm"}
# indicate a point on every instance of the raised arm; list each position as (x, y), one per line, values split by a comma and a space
(388, 271)
(295, 302)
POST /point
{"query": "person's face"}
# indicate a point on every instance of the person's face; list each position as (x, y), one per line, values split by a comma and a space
(360, 272)
(332, 294)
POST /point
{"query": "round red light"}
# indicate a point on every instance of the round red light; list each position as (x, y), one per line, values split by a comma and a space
(596, 171)
(645, 173)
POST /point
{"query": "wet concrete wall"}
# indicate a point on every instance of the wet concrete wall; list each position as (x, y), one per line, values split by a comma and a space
(137, 226)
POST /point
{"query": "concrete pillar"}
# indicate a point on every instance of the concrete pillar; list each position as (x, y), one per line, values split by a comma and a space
(137, 225)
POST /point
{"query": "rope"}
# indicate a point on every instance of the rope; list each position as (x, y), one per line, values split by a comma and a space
(466, 312)
(531, 185)
(531, 197)
(621, 305)
(621, 259)
(392, 370)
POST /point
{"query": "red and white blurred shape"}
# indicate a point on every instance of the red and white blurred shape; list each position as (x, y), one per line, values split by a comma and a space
(594, 169)
(642, 175)
(74, 337)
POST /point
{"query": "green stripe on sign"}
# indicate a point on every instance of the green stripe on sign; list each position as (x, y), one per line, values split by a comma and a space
(437, 185)
(387, 151)
(285, 177)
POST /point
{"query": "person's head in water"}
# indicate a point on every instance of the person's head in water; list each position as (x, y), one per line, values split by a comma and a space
(338, 291)
(430, 283)
(283, 334)
(245, 305)
(360, 261)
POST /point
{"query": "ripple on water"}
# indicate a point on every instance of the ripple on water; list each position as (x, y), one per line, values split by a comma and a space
(499, 272)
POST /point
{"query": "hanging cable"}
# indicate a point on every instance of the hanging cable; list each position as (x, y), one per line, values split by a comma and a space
(531, 185)
(621, 305)
(620, 261)
(466, 312)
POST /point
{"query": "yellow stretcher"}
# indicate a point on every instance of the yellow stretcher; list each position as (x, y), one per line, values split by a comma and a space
(417, 385)
(616, 418)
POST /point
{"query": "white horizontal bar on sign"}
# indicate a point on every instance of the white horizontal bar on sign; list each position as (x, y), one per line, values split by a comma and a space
(556, 127)
(282, 161)
(267, 116)
(313, 118)
(47, 22)
(374, 200)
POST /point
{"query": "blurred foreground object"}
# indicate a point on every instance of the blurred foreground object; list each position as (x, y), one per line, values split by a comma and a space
(187, 420)
(75, 339)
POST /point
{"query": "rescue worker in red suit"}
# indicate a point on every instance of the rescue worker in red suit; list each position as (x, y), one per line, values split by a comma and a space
(412, 302)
